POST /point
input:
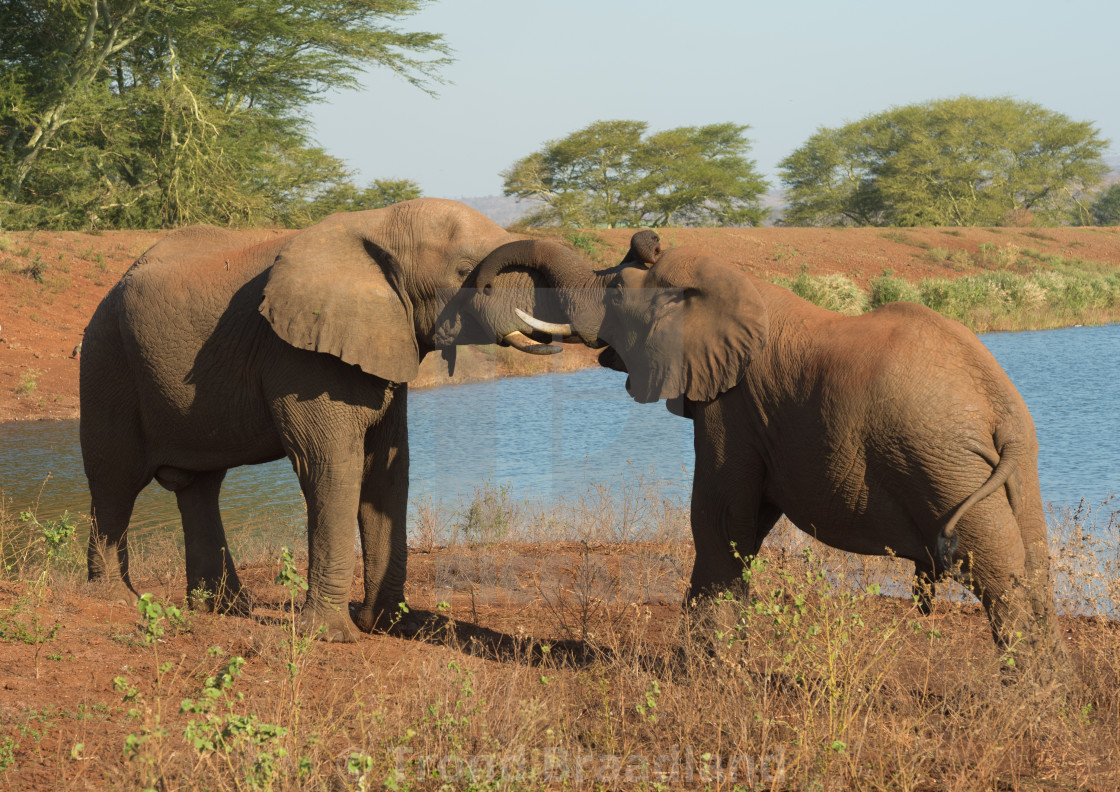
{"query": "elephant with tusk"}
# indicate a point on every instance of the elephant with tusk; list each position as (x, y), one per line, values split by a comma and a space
(895, 432)
(221, 348)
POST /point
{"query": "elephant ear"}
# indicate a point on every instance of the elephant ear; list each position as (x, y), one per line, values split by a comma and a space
(710, 328)
(336, 289)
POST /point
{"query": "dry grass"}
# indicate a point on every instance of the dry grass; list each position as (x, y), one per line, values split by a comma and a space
(554, 664)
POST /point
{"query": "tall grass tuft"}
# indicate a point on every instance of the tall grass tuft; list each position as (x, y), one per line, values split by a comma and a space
(831, 291)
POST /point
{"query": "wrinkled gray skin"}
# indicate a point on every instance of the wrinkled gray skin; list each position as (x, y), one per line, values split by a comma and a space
(893, 432)
(221, 348)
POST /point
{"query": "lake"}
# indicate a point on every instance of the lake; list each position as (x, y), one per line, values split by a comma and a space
(550, 437)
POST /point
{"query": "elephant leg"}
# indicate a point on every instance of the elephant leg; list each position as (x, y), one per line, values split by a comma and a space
(727, 510)
(212, 581)
(925, 586)
(993, 565)
(107, 553)
(331, 488)
(382, 515)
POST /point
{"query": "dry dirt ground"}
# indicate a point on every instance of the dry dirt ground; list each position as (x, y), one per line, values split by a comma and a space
(565, 630)
(42, 319)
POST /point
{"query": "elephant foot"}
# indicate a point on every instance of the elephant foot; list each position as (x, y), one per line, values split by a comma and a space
(115, 591)
(393, 620)
(327, 623)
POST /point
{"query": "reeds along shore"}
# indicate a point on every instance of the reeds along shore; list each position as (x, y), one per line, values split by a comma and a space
(553, 658)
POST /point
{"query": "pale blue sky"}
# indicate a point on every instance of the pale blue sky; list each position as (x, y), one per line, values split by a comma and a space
(527, 71)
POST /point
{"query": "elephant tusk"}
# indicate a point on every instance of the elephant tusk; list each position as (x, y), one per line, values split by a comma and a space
(519, 340)
(562, 330)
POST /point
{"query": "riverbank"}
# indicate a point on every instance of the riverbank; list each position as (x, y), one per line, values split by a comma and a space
(547, 664)
(989, 278)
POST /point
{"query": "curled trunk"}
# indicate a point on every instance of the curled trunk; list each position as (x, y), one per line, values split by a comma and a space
(565, 301)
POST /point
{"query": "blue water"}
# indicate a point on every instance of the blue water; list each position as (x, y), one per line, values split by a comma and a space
(551, 436)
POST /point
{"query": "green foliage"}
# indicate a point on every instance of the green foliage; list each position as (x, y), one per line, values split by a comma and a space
(608, 174)
(963, 161)
(153, 613)
(8, 748)
(887, 289)
(831, 291)
(221, 729)
(346, 197)
(1105, 210)
(142, 113)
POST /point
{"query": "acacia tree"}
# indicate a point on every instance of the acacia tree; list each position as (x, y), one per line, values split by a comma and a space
(609, 174)
(154, 112)
(1105, 210)
(962, 161)
(347, 197)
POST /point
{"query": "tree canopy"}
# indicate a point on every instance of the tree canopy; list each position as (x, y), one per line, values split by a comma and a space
(962, 161)
(1105, 210)
(347, 197)
(611, 174)
(127, 113)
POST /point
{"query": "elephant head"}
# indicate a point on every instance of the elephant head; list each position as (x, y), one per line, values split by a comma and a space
(381, 288)
(681, 323)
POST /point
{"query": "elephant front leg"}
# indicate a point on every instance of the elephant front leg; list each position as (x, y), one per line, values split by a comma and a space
(729, 521)
(382, 515)
(332, 491)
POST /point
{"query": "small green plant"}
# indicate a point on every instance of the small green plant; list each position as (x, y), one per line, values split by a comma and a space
(587, 243)
(297, 644)
(28, 382)
(37, 269)
(783, 252)
(648, 709)
(490, 515)
(246, 745)
(897, 237)
(8, 748)
(153, 614)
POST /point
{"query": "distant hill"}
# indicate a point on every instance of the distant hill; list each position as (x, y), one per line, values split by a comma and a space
(503, 210)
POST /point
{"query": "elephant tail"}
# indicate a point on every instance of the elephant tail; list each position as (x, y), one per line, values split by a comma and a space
(1006, 464)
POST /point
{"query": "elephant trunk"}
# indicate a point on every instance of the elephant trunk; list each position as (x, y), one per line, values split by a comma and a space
(574, 290)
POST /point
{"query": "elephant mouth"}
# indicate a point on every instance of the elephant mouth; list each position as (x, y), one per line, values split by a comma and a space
(519, 340)
(526, 343)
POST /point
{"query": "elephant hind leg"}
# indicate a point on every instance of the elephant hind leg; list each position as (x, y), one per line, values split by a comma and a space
(212, 581)
(107, 552)
(994, 566)
(925, 587)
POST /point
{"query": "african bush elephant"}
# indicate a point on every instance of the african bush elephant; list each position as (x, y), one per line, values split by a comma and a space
(892, 432)
(221, 348)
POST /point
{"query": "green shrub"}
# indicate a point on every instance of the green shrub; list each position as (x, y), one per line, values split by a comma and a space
(831, 291)
(887, 289)
(490, 515)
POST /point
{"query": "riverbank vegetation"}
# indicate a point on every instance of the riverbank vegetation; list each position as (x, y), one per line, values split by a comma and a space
(551, 664)
(1023, 289)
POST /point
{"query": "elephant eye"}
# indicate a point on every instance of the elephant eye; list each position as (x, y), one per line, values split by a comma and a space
(464, 269)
